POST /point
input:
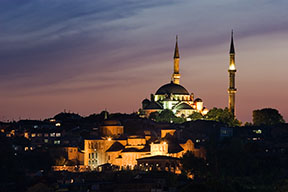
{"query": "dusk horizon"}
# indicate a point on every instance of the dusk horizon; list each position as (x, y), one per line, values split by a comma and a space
(85, 57)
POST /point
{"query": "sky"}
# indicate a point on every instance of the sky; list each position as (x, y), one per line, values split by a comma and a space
(85, 56)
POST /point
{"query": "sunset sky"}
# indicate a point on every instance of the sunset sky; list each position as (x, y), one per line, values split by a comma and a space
(85, 56)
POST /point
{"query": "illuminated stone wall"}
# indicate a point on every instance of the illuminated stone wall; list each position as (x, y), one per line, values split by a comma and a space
(112, 130)
(159, 148)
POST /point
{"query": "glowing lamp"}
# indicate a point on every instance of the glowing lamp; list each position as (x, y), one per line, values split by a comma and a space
(232, 67)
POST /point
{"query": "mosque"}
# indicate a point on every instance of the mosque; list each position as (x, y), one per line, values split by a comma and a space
(173, 96)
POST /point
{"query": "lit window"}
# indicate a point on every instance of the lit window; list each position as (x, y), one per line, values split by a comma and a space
(46, 140)
(33, 135)
(52, 134)
(58, 134)
(259, 131)
(58, 124)
(57, 142)
(46, 135)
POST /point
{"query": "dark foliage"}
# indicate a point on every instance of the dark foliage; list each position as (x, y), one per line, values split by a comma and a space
(222, 116)
(166, 116)
(234, 165)
(267, 116)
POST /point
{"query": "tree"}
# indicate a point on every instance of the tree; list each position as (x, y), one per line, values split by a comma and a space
(154, 115)
(193, 165)
(168, 116)
(267, 116)
(195, 116)
(248, 124)
(223, 116)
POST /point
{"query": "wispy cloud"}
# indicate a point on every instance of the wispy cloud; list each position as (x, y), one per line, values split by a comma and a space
(56, 38)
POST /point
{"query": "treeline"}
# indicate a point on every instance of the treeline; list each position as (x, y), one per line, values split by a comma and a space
(266, 116)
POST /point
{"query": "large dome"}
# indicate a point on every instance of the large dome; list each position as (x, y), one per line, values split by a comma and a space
(173, 88)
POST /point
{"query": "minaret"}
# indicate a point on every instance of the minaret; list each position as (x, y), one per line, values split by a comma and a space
(176, 74)
(232, 70)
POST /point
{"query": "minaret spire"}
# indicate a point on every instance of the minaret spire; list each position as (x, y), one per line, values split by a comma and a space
(176, 74)
(232, 71)
(232, 50)
(176, 52)
(105, 114)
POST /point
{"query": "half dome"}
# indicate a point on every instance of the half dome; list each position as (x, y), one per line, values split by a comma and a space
(183, 106)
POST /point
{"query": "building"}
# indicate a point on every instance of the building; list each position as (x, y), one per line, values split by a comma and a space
(160, 163)
(173, 96)
(124, 151)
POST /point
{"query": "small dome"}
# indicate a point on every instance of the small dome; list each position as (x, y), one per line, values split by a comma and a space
(146, 101)
(172, 88)
(154, 105)
(198, 100)
(110, 122)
